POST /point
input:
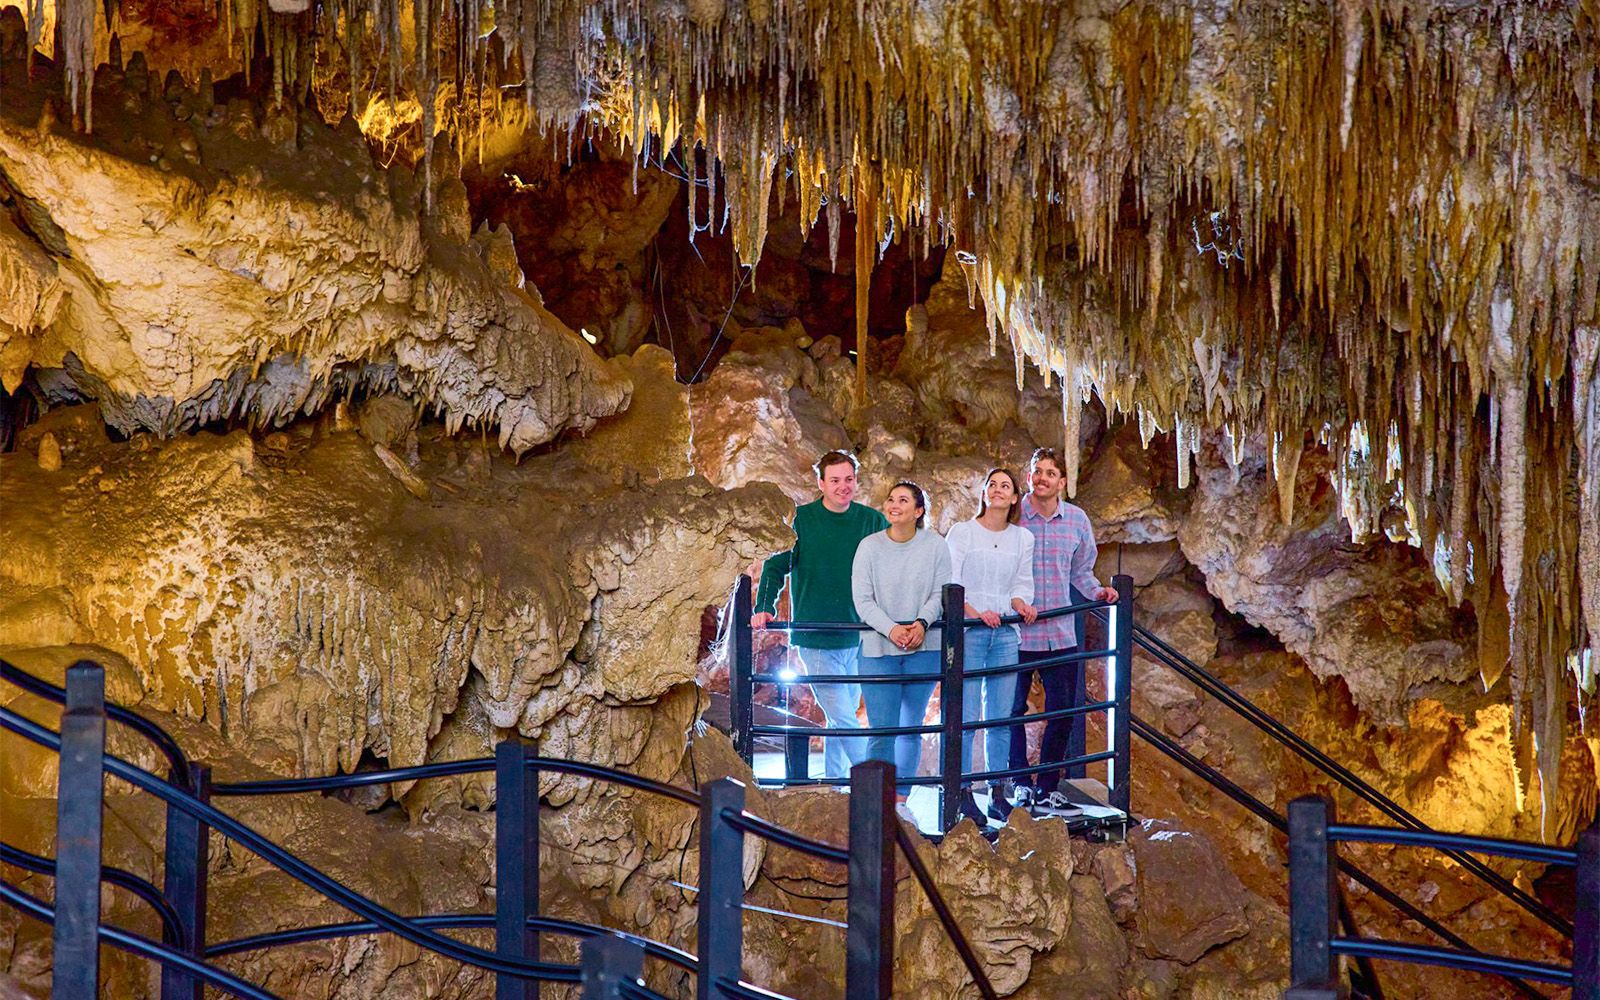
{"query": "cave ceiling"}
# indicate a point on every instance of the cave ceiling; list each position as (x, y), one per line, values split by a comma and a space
(1371, 227)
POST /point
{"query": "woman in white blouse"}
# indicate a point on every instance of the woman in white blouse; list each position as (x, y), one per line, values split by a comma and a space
(992, 557)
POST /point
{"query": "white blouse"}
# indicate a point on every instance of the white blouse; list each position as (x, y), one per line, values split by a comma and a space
(994, 566)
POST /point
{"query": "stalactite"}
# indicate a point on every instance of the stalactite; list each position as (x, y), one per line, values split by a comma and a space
(1509, 363)
(1586, 434)
(75, 34)
(866, 257)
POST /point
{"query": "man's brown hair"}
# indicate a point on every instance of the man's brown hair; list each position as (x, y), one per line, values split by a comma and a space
(1045, 455)
(836, 458)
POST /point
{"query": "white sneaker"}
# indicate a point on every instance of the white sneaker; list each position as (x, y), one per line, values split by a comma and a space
(1057, 804)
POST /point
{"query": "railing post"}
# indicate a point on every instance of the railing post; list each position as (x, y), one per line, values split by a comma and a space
(796, 746)
(605, 962)
(1119, 689)
(952, 691)
(869, 934)
(1313, 910)
(1586, 917)
(516, 862)
(80, 789)
(741, 693)
(720, 906)
(184, 884)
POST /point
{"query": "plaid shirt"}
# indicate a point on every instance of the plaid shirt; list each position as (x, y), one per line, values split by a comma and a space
(1063, 557)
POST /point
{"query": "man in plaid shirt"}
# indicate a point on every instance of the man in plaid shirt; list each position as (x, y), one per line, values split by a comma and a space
(1064, 553)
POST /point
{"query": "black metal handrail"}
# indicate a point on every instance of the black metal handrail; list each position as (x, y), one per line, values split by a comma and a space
(1422, 954)
(1176, 751)
(1315, 947)
(455, 921)
(298, 869)
(171, 929)
(1522, 850)
(163, 741)
(607, 954)
(136, 944)
(954, 772)
(794, 677)
(1165, 654)
(442, 769)
(777, 625)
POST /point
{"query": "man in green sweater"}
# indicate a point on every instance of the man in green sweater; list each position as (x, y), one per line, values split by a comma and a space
(817, 569)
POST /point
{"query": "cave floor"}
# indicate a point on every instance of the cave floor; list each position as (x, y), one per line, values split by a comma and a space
(923, 801)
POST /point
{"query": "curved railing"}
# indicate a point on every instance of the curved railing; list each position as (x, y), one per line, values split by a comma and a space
(163, 741)
(612, 961)
(1166, 655)
(1316, 945)
(952, 677)
(1125, 634)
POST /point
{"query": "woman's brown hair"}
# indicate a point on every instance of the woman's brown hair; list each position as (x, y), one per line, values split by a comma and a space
(921, 496)
(1014, 514)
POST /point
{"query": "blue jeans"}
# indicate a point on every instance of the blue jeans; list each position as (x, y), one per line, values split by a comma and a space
(890, 705)
(838, 703)
(988, 647)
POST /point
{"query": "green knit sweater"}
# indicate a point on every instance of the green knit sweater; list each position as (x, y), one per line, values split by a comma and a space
(818, 571)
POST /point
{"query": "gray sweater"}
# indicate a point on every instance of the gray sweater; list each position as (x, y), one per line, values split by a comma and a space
(897, 582)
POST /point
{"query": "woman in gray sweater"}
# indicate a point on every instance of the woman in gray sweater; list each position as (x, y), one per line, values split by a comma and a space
(896, 579)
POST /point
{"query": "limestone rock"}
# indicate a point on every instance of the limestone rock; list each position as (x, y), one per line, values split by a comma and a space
(49, 454)
(754, 422)
(318, 610)
(1190, 901)
(653, 439)
(1090, 959)
(1372, 614)
(1126, 491)
(262, 278)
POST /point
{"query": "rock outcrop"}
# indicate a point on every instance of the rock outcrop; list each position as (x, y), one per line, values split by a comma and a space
(208, 258)
(294, 592)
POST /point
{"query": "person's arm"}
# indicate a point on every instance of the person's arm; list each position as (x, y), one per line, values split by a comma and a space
(1083, 560)
(865, 595)
(774, 573)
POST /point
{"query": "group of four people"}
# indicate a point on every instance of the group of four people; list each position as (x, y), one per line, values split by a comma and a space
(1023, 552)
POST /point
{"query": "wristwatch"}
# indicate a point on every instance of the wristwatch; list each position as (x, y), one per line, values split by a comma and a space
(924, 624)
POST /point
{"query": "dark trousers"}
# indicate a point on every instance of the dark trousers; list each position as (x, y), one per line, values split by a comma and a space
(1063, 738)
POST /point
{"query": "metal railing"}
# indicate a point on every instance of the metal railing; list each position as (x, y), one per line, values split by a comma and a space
(1315, 945)
(611, 962)
(952, 678)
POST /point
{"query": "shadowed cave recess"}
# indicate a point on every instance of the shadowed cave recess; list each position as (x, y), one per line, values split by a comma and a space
(381, 379)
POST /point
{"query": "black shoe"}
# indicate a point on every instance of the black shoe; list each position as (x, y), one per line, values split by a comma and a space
(998, 807)
(969, 809)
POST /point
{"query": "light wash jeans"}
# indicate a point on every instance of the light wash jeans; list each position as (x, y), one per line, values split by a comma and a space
(898, 705)
(988, 647)
(838, 703)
